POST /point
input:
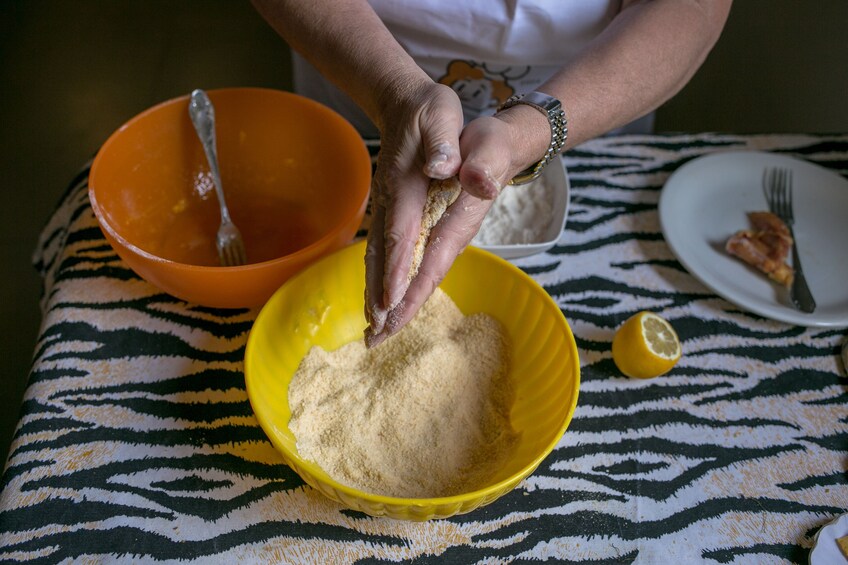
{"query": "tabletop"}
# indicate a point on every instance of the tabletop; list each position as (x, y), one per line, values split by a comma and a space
(137, 442)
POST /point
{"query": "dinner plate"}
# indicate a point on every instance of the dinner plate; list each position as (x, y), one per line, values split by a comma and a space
(825, 551)
(706, 200)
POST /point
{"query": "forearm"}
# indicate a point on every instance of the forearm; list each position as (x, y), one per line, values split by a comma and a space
(350, 46)
(644, 57)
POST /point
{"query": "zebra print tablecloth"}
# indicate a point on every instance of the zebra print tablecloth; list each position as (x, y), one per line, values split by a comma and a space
(137, 442)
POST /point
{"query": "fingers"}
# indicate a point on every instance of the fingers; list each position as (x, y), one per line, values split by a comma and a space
(375, 257)
(452, 234)
(442, 160)
(487, 163)
(485, 159)
(405, 184)
(448, 239)
(418, 144)
(418, 293)
(440, 139)
(400, 232)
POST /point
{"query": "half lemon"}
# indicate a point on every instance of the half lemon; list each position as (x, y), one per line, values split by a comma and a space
(645, 346)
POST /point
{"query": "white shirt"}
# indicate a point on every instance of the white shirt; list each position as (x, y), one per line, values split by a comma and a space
(486, 50)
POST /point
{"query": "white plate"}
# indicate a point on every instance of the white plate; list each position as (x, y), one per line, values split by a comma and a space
(706, 200)
(825, 551)
(557, 177)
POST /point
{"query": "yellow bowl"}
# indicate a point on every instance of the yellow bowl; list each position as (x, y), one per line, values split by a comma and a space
(323, 305)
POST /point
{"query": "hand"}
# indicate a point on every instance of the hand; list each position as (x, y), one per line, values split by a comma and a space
(420, 130)
(487, 144)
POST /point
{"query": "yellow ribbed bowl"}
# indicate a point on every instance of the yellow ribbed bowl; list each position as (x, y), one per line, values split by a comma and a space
(323, 305)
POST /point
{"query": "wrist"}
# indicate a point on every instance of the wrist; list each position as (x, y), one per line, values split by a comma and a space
(549, 111)
(530, 135)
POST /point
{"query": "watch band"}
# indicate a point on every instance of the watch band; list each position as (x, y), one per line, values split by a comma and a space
(552, 109)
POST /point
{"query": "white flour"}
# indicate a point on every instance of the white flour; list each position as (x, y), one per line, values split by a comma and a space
(521, 214)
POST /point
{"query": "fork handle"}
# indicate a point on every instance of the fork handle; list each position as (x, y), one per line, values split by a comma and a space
(800, 293)
(202, 114)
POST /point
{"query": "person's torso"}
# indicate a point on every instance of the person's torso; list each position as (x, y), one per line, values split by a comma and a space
(486, 50)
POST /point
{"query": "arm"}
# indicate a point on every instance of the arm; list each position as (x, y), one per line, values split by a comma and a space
(646, 55)
(329, 35)
(419, 121)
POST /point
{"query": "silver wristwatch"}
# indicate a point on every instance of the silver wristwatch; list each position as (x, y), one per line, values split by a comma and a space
(552, 109)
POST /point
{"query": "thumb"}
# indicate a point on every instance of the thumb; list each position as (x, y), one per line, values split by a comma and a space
(486, 167)
(440, 130)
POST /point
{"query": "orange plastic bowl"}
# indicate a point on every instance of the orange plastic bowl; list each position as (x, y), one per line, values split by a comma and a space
(296, 176)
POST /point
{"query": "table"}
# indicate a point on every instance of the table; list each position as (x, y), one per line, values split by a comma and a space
(137, 442)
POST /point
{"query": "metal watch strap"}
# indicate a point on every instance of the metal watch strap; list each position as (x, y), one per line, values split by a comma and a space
(552, 109)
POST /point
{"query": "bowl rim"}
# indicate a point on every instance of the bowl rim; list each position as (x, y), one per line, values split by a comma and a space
(501, 486)
(301, 253)
(557, 174)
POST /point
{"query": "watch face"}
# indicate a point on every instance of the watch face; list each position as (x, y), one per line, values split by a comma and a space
(539, 100)
(543, 101)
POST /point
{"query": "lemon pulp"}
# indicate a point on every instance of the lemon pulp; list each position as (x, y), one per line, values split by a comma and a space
(660, 337)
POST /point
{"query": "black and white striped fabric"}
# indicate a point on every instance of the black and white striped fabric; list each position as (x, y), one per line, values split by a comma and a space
(137, 442)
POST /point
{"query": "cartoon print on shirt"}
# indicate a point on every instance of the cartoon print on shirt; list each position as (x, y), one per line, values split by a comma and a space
(481, 88)
(508, 72)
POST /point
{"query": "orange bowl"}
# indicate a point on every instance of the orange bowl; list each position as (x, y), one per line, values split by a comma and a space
(296, 176)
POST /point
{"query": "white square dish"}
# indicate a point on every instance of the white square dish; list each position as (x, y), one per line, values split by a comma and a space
(556, 177)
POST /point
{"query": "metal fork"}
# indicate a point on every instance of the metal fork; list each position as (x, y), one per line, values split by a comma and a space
(777, 185)
(229, 241)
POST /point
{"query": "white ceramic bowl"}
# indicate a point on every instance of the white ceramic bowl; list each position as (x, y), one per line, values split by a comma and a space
(556, 176)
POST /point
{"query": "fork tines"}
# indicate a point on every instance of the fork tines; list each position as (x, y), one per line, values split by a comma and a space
(777, 185)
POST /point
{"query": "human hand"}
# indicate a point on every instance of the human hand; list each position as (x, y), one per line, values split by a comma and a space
(487, 144)
(420, 129)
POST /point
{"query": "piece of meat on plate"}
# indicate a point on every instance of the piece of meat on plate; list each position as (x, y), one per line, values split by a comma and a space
(765, 247)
